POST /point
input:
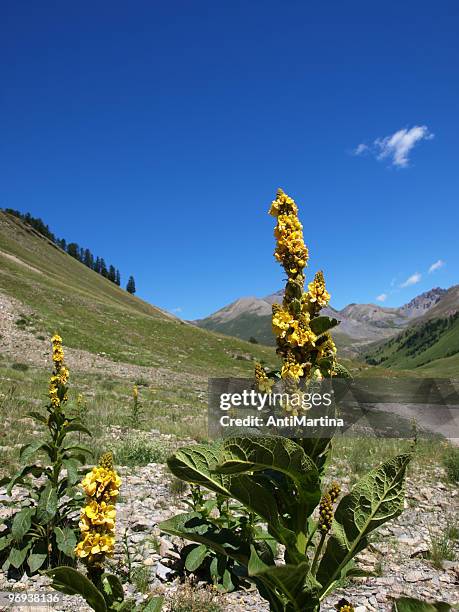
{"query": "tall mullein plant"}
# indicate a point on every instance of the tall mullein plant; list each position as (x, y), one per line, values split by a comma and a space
(280, 479)
(42, 532)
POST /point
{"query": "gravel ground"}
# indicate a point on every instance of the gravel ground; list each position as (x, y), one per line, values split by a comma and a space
(398, 555)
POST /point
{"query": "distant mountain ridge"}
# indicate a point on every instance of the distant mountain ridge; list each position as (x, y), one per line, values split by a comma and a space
(360, 324)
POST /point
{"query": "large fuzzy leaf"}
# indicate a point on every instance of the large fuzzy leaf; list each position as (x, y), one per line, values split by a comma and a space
(197, 464)
(376, 498)
(35, 561)
(71, 582)
(192, 526)
(47, 504)
(66, 540)
(278, 454)
(113, 590)
(17, 556)
(21, 523)
(195, 557)
(320, 325)
(260, 453)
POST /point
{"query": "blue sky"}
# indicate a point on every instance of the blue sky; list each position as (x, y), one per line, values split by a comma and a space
(157, 133)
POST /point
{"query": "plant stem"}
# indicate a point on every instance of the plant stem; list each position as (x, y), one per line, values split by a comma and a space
(317, 553)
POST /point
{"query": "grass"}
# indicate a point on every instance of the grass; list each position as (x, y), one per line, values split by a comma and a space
(442, 546)
(451, 464)
(191, 598)
(138, 449)
(167, 409)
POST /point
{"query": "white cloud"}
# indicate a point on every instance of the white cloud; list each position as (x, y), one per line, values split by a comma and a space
(382, 297)
(436, 266)
(398, 146)
(412, 280)
(360, 149)
(177, 309)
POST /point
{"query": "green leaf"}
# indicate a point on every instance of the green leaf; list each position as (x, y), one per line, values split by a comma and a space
(5, 541)
(78, 427)
(195, 557)
(197, 463)
(71, 582)
(375, 499)
(30, 450)
(38, 417)
(35, 470)
(69, 446)
(17, 555)
(66, 540)
(47, 504)
(154, 605)
(21, 523)
(71, 465)
(320, 325)
(274, 453)
(192, 526)
(113, 590)
(35, 561)
(407, 604)
(294, 581)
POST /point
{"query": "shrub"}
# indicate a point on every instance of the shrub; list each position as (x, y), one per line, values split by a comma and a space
(20, 367)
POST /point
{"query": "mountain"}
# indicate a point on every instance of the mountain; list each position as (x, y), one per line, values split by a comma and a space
(360, 324)
(43, 289)
(423, 304)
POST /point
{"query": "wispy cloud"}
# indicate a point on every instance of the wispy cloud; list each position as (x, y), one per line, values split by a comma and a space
(396, 147)
(177, 309)
(382, 297)
(412, 280)
(436, 266)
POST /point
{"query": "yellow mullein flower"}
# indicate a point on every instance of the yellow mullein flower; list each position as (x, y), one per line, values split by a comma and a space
(60, 375)
(317, 292)
(135, 392)
(301, 334)
(291, 369)
(281, 321)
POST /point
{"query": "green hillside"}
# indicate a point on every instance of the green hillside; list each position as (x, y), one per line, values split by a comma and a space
(245, 326)
(432, 346)
(94, 314)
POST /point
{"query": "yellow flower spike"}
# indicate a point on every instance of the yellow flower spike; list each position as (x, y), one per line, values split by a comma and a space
(317, 294)
(263, 382)
(97, 520)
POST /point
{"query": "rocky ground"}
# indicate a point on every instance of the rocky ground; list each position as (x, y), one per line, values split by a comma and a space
(398, 555)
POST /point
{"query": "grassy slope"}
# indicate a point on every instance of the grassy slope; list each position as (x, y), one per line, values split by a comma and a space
(432, 347)
(94, 314)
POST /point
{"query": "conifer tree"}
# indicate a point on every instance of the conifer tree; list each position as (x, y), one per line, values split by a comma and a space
(103, 267)
(112, 274)
(118, 278)
(130, 287)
